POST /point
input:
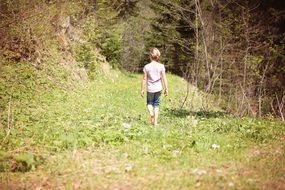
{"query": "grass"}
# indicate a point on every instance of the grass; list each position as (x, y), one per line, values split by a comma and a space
(76, 139)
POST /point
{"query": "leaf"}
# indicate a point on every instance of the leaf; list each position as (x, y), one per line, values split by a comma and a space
(24, 162)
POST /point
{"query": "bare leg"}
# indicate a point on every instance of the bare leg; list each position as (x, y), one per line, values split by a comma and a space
(156, 111)
(150, 110)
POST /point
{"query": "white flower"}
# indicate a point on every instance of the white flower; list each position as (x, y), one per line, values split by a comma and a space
(127, 125)
(176, 153)
(215, 146)
(129, 167)
(231, 184)
(198, 171)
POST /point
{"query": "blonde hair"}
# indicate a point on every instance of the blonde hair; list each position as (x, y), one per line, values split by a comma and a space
(154, 54)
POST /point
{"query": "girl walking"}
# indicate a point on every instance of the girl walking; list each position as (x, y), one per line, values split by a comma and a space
(155, 79)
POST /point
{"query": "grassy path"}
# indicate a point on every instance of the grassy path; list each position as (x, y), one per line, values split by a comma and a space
(98, 137)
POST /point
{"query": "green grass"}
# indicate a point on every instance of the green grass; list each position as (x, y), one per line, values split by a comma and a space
(76, 138)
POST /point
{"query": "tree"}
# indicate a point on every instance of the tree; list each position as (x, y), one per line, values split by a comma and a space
(225, 48)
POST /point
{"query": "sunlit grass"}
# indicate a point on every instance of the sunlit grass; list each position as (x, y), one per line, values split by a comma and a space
(77, 139)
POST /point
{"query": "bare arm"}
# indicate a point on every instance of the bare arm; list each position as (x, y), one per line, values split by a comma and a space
(143, 84)
(165, 83)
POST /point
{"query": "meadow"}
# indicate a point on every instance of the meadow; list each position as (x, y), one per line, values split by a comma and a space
(96, 135)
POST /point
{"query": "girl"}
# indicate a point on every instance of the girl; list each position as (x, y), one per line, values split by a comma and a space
(154, 76)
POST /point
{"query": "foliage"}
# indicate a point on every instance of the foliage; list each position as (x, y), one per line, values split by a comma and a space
(86, 57)
(172, 31)
(123, 9)
(111, 47)
(133, 44)
(102, 31)
(25, 162)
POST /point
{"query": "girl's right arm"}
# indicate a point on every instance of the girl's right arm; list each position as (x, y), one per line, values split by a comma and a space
(143, 84)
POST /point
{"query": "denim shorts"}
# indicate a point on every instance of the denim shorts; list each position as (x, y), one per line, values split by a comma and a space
(153, 98)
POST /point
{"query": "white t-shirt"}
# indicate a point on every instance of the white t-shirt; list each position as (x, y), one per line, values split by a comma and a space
(154, 70)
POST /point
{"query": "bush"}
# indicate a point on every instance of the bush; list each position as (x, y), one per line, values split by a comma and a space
(86, 57)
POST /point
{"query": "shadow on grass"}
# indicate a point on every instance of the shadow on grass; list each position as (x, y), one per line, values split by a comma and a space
(182, 113)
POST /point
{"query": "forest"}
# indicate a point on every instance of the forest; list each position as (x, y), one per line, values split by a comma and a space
(71, 115)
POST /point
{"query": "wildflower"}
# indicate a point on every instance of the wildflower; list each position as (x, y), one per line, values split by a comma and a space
(127, 125)
(215, 146)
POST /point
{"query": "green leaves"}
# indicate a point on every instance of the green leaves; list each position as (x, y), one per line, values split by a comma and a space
(86, 57)
(24, 162)
(20, 162)
(112, 47)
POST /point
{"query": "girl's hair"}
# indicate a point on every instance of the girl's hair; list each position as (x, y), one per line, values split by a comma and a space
(154, 54)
